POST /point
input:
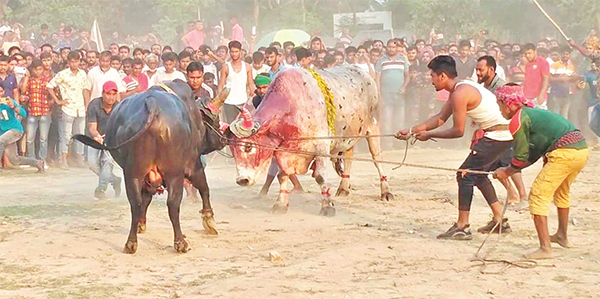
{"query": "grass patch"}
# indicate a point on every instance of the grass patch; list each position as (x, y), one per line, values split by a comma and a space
(53, 210)
(13, 274)
(97, 291)
(204, 278)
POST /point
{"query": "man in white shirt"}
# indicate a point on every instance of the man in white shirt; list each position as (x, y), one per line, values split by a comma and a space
(499, 69)
(71, 83)
(237, 74)
(258, 64)
(99, 75)
(169, 73)
(210, 60)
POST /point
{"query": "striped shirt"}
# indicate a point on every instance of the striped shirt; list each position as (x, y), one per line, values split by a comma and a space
(140, 84)
(392, 72)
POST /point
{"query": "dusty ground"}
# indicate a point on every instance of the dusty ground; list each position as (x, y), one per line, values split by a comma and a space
(56, 241)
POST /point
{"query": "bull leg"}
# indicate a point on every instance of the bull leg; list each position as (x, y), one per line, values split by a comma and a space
(327, 207)
(283, 201)
(175, 189)
(198, 179)
(375, 149)
(146, 199)
(134, 195)
(344, 188)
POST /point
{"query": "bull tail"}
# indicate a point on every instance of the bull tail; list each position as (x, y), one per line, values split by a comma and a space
(89, 141)
(153, 112)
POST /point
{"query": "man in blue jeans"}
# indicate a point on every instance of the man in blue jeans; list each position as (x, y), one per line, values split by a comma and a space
(38, 111)
(101, 162)
(591, 78)
(391, 74)
(11, 130)
(71, 83)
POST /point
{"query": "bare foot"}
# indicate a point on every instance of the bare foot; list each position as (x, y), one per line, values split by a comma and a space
(521, 206)
(540, 254)
(560, 240)
(512, 200)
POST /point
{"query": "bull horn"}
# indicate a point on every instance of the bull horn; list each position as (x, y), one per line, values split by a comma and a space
(247, 119)
(223, 126)
(244, 127)
(215, 104)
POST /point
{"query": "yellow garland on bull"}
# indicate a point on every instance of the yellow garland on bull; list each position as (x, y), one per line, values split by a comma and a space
(328, 100)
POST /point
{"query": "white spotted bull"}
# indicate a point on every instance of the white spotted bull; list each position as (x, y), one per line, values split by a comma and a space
(293, 111)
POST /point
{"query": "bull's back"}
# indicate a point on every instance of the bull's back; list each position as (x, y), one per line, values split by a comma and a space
(355, 96)
(354, 92)
(152, 119)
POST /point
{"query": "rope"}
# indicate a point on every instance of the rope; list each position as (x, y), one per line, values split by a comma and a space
(279, 149)
(314, 154)
(484, 262)
(342, 137)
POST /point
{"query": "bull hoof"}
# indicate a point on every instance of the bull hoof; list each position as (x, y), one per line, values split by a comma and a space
(130, 247)
(210, 225)
(263, 193)
(141, 228)
(387, 196)
(342, 192)
(279, 209)
(328, 211)
(182, 246)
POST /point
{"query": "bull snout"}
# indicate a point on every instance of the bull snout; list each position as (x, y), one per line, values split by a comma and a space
(243, 181)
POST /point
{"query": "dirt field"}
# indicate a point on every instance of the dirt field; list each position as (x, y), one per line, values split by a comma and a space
(56, 241)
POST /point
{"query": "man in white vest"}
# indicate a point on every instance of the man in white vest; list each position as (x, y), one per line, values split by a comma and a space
(237, 75)
(490, 142)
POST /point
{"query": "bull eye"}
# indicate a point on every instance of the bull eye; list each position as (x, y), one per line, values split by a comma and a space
(248, 147)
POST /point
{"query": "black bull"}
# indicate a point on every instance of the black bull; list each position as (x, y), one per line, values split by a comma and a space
(157, 138)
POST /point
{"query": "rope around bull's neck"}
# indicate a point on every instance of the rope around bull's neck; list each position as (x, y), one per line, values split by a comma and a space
(315, 154)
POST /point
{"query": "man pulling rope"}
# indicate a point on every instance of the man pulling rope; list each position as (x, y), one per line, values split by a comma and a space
(540, 133)
(490, 142)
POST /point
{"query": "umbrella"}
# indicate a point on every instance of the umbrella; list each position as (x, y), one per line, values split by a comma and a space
(296, 36)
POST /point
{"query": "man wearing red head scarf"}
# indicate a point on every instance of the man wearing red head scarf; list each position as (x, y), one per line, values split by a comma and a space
(540, 133)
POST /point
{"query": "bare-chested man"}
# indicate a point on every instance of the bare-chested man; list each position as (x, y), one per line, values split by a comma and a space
(490, 142)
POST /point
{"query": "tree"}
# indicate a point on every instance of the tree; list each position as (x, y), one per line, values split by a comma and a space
(510, 20)
(506, 20)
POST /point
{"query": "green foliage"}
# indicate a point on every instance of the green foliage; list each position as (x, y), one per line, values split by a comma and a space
(515, 20)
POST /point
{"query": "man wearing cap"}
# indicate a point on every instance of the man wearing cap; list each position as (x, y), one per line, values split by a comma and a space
(261, 82)
(539, 133)
(100, 162)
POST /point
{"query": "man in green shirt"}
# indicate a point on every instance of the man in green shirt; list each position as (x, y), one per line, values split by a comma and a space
(539, 133)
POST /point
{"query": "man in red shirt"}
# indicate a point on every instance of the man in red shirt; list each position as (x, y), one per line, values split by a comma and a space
(195, 38)
(537, 77)
(38, 114)
(136, 81)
